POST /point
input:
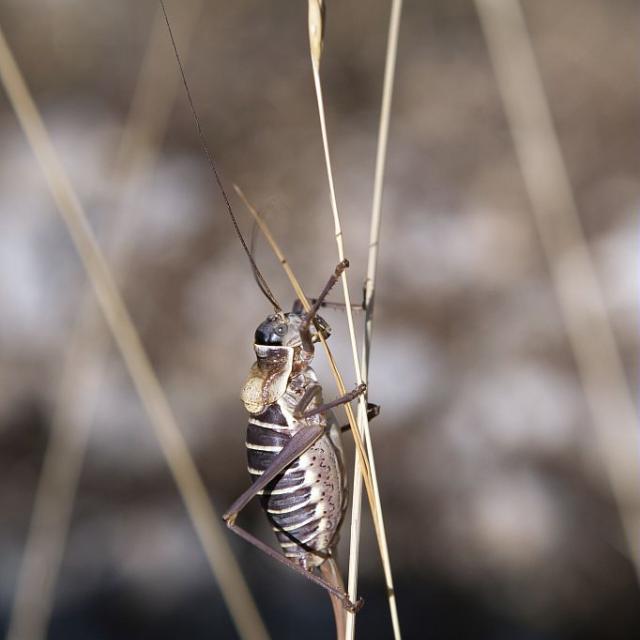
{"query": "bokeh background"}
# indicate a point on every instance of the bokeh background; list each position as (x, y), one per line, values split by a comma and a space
(499, 519)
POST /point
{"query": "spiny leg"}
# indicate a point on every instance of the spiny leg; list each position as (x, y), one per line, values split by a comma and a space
(323, 331)
(321, 302)
(344, 598)
(341, 266)
(299, 412)
(329, 304)
(299, 443)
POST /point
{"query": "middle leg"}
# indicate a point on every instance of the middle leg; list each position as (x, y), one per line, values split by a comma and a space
(373, 410)
(311, 392)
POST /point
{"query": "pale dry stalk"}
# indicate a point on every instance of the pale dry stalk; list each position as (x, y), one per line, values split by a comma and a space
(566, 249)
(370, 283)
(316, 32)
(192, 489)
(83, 370)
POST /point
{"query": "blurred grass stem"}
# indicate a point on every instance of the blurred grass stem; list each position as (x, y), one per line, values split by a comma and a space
(192, 489)
(579, 295)
(83, 370)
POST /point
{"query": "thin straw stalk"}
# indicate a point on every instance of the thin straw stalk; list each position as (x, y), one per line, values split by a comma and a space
(53, 502)
(316, 32)
(316, 29)
(555, 212)
(83, 368)
(370, 282)
(175, 450)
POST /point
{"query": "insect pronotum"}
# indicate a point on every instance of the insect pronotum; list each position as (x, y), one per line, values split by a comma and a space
(293, 444)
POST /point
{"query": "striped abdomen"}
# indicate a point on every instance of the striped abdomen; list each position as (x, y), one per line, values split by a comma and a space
(305, 503)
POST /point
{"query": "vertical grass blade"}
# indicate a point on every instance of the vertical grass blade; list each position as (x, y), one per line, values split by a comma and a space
(316, 32)
(181, 464)
(370, 283)
(563, 241)
(53, 503)
(82, 371)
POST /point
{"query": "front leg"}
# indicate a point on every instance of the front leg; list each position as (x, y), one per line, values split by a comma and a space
(315, 390)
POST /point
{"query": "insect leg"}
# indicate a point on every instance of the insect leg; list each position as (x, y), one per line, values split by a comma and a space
(373, 410)
(340, 305)
(310, 393)
(329, 304)
(344, 598)
(320, 299)
(347, 397)
(298, 444)
(298, 308)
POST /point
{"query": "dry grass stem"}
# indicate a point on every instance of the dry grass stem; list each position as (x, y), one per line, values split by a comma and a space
(316, 31)
(563, 240)
(374, 240)
(53, 503)
(82, 372)
(192, 489)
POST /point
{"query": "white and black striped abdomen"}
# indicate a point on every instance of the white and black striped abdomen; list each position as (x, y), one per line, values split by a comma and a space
(305, 504)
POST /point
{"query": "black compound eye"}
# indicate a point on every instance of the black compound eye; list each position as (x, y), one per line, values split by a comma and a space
(280, 330)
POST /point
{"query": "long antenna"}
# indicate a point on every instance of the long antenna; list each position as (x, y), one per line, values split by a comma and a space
(262, 283)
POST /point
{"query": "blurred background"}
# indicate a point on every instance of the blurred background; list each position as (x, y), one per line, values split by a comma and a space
(500, 521)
